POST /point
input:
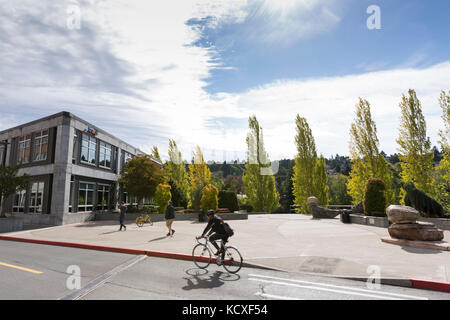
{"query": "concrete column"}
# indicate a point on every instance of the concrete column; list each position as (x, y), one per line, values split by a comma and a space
(62, 171)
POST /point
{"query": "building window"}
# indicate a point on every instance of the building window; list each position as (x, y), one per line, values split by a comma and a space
(75, 144)
(41, 145)
(88, 148)
(71, 194)
(102, 197)
(36, 197)
(105, 155)
(2, 154)
(19, 201)
(125, 158)
(24, 149)
(86, 197)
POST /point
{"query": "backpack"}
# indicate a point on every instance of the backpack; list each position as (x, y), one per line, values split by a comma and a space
(228, 229)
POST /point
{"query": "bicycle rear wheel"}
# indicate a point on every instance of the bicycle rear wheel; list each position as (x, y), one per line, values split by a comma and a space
(201, 256)
(233, 260)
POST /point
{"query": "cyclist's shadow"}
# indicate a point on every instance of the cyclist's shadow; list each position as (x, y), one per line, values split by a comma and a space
(208, 281)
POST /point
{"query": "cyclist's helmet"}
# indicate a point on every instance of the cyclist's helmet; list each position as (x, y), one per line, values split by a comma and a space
(210, 212)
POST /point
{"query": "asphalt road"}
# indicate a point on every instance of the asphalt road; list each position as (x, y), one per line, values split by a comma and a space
(32, 271)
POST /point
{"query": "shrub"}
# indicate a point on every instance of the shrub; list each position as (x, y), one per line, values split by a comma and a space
(209, 198)
(416, 198)
(374, 197)
(179, 198)
(246, 207)
(228, 199)
(162, 197)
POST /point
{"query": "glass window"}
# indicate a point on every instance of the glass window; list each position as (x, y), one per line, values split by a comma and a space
(2, 154)
(88, 148)
(71, 194)
(36, 197)
(105, 155)
(19, 201)
(102, 197)
(86, 197)
(41, 145)
(75, 143)
(24, 149)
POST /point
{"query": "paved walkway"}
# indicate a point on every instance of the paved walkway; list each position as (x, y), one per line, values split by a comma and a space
(293, 243)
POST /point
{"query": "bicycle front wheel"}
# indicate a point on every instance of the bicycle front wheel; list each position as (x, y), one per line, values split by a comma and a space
(233, 260)
(201, 256)
(140, 222)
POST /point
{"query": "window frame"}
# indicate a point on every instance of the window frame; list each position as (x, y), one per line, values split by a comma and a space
(86, 205)
(33, 201)
(22, 147)
(90, 141)
(40, 137)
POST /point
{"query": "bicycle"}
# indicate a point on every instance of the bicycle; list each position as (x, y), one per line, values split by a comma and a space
(141, 220)
(231, 258)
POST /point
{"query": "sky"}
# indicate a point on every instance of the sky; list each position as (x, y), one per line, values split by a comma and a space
(195, 70)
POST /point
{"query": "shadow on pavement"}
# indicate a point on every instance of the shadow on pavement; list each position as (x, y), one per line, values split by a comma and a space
(157, 239)
(420, 251)
(206, 280)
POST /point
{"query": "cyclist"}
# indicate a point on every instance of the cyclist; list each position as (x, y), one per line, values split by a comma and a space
(215, 223)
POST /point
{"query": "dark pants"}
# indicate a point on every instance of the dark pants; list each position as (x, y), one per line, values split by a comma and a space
(121, 220)
(217, 236)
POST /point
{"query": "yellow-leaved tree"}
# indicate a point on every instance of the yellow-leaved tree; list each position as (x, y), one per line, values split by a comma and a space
(367, 161)
(199, 176)
(442, 171)
(416, 155)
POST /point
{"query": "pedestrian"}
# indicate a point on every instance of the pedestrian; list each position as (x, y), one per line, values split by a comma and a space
(123, 211)
(170, 216)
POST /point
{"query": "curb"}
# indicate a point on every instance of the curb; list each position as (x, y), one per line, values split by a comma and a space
(151, 253)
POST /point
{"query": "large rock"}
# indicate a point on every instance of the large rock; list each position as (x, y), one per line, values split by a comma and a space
(320, 212)
(416, 231)
(402, 214)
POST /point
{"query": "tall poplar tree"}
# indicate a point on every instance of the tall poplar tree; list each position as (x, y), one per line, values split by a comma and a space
(367, 161)
(199, 176)
(259, 181)
(416, 155)
(442, 174)
(310, 176)
(176, 171)
(155, 153)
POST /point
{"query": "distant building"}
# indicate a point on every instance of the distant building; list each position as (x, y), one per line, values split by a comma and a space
(74, 168)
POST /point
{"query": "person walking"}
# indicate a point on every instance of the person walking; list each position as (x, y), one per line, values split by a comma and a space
(123, 211)
(170, 217)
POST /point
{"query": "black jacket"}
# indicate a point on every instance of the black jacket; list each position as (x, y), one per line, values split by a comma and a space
(170, 212)
(216, 225)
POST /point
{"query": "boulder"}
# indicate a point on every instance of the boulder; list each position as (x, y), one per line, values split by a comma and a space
(416, 232)
(359, 208)
(321, 212)
(402, 214)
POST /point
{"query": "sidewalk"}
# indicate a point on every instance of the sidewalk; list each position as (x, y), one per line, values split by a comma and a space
(293, 243)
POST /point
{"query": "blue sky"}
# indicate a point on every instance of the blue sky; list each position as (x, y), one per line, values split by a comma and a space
(413, 34)
(195, 70)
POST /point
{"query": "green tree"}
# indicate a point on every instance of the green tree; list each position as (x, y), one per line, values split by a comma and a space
(416, 155)
(367, 161)
(337, 186)
(442, 171)
(209, 200)
(176, 173)
(199, 176)
(162, 197)
(310, 176)
(10, 183)
(155, 153)
(259, 182)
(141, 176)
